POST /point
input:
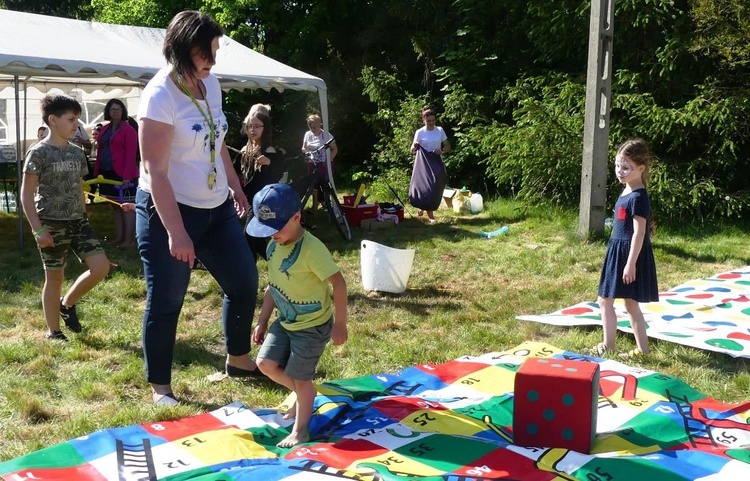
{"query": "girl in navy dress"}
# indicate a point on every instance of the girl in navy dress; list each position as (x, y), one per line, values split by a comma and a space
(629, 270)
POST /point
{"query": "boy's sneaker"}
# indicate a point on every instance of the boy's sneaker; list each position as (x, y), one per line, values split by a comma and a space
(56, 336)
(70, 317)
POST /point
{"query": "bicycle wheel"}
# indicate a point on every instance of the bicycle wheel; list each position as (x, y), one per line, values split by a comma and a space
(334, 210)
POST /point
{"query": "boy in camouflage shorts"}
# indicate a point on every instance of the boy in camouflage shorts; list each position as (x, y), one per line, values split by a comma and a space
(54, 204)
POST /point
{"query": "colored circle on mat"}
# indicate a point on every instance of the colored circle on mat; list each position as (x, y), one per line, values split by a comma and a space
(720, 323)
(679, 303)
(532, 429)
(738, 335)
(567, 434)
(675, 334)
(729, 275)
(700, 296)
(576, 311)
(727, 344)
(745, 311)
(549, 415)
(571, 369)
(542, 361)
(568, 399)
(532, 396)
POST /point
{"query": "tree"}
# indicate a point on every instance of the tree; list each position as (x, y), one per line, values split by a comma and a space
(78, 9)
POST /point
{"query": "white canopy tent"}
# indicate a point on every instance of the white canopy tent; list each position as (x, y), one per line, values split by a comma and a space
(46, 52)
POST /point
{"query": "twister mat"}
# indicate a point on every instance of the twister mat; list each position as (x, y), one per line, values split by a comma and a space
(449, 422)
(711, 314)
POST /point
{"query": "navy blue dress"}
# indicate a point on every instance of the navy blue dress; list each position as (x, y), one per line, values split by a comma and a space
(645, 287)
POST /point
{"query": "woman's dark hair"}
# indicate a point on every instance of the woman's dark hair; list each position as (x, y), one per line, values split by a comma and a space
(188, 30)
(110, 104)
(428, 112)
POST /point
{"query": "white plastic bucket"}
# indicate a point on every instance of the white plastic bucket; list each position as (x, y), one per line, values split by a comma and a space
(384, 268)
(476, 203)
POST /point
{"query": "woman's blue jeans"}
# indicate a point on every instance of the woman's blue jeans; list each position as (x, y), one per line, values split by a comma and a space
(220, 246)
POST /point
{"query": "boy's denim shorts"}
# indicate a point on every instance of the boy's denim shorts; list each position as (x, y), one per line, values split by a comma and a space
(75, 235)
(298, 351)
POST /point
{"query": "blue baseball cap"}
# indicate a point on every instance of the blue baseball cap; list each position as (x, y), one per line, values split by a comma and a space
(273, 206)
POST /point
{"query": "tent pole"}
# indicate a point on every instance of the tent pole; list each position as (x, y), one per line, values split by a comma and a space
(324, 114)
(25, 112)
(19, 208)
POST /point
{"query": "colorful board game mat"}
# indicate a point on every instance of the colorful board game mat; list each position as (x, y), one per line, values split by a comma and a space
(448, 422)
(711, 314)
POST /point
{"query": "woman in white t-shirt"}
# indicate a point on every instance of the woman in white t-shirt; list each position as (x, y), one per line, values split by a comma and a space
(188, 202)
(317, 166)
(433, 140)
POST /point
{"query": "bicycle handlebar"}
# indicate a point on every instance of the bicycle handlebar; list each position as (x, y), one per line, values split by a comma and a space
(327, 145)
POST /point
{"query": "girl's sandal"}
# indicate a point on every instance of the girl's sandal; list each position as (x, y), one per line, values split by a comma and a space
(599, 350)
(631, 354)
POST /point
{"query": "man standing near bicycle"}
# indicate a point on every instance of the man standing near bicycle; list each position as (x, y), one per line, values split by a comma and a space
(313, 140)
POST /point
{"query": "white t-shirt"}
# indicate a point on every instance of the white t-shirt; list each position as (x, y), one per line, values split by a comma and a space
(430, 139)
(80, 133)
(313, 142)
(190, 153)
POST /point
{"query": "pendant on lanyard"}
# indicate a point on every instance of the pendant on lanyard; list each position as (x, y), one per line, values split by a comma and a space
(209, 118)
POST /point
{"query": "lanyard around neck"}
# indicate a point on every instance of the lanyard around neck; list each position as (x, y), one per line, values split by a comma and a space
(209, 118)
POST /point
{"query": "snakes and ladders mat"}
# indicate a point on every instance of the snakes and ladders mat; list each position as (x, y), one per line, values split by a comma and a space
(450, 421)
(711, 314)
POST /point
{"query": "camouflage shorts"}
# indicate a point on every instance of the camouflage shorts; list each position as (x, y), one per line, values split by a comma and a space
(75, 235)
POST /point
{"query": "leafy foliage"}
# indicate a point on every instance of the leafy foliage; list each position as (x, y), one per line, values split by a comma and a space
(507, 79)
(538, 155)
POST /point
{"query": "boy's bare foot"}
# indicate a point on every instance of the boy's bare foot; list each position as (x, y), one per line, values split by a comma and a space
(293, 439)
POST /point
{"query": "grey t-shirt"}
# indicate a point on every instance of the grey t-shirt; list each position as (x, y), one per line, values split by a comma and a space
(60, 170)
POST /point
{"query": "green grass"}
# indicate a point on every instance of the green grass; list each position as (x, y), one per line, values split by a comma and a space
(463, 296)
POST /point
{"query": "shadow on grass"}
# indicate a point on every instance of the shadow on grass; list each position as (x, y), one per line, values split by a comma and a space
(691, 255)
(711, 361)
(409, 231)
(411, 300)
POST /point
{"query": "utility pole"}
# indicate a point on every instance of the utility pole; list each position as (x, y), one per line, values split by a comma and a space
(596, 123)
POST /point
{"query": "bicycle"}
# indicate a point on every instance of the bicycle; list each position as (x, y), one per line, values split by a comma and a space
(329, 198)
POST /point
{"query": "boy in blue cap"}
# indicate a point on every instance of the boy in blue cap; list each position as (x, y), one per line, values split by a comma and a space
(300, 269)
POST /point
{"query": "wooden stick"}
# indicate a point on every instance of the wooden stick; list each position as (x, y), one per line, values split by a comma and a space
(97, 196)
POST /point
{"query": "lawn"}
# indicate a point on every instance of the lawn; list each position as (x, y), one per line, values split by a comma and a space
(462, 299)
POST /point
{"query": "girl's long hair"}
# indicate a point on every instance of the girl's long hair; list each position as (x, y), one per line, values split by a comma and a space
(251, 152)
(636, 151)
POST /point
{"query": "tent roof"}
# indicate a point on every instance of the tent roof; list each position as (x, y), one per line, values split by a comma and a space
(42, 46)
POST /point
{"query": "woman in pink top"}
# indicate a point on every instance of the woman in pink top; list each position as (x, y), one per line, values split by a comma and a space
(117, 145)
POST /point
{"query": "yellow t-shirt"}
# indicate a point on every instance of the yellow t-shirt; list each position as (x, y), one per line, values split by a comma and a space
(298, 278)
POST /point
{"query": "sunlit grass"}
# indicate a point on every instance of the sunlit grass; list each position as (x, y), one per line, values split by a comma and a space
(463, 296)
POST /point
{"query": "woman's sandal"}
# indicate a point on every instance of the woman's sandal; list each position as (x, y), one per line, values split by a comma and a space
(631, 354)
(600, 350)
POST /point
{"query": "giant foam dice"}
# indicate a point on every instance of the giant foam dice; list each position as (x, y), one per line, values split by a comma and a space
(554, 404)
